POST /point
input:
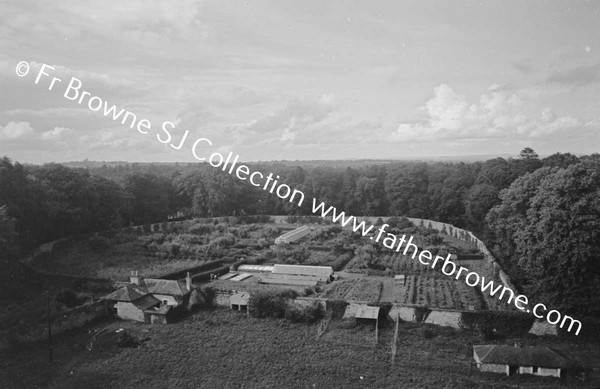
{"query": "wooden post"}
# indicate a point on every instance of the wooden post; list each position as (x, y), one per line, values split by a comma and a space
(49, 327)
(394, 342)
(376, 331)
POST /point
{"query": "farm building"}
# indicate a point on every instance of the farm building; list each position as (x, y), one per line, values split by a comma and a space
(366, 314)
(169, 292)
(239, 301)
(542, 361)
(131, 301)
(293, 236)
(149, 300)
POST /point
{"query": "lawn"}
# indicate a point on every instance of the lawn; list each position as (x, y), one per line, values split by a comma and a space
(223, 349)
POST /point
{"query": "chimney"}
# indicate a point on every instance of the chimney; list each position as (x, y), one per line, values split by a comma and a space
(188, 281)
(134, 278)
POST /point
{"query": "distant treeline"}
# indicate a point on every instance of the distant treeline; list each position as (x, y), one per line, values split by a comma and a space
(541, 217)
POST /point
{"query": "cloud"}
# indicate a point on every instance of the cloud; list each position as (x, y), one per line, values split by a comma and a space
(15, 130)
(284, 125)
(581, 75)
(140, 21)
(55, 134)
(500, 113)
(524, 65)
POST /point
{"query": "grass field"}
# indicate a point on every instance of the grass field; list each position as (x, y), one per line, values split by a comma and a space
(223, 349)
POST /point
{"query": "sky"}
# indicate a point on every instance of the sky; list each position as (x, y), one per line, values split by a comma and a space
(299, 80)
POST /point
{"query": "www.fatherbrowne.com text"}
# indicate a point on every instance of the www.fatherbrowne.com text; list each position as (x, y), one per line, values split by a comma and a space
(75, 92)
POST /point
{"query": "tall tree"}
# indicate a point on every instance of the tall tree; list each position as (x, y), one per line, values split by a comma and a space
(557, 241)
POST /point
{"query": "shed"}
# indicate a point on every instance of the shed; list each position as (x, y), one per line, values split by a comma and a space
(370, 315)
(239, 301)
(542, 361)
(400, 278)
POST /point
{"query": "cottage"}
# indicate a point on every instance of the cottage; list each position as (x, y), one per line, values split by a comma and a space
(149, 300)
(169, 292)
(131, 302)
(542, 361)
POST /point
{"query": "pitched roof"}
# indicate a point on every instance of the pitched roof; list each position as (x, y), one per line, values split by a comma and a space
(130, 292)
(520, 356)
(240, 298)
(366, 312)
(168, 287)
(146, 302)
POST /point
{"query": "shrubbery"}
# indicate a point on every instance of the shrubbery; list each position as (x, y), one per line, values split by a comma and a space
(308, 314)
(508, 323)
(271, 303)
(69, 298)
(277, 304)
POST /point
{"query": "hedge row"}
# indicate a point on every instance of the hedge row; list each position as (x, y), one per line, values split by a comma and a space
(205, 276)
(179, 274)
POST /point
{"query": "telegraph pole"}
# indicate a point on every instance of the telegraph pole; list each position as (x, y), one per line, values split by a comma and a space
(49, 328)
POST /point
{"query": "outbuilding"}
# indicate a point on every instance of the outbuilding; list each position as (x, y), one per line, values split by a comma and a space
(239, 301)
(320, 273)
(541, 361)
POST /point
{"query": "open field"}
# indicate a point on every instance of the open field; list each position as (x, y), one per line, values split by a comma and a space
(220, 349)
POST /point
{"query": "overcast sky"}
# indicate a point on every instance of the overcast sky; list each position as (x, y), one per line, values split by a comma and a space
(303, 79)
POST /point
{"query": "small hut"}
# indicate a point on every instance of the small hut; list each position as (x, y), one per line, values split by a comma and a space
(239, 301)
(368, 315)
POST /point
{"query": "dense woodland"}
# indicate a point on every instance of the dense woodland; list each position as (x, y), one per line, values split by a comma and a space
(541, 217)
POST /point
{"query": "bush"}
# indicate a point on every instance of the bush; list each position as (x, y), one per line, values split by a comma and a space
(202, 229)
(68, 298)
(127, 340)
(507, 323)
(428, 332)
(308, 314)
(99, 243)
(270, 303)
(337, 308)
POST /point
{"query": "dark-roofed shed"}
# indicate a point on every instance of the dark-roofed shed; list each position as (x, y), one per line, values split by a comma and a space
(542, 361)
